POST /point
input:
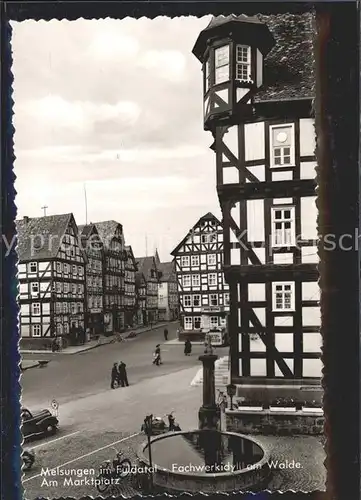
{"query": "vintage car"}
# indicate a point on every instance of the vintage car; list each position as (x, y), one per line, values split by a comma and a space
(39, 423)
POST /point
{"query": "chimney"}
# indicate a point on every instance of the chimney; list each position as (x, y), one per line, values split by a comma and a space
(26, 219)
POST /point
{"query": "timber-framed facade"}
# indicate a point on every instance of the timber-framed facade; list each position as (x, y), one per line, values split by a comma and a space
(51, 274)
(259, 110)
(203, 292)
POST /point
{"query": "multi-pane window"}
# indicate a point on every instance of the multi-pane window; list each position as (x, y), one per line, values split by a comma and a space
(36, 330)
(212, 259)
(282, 146)
(186, 280)
(221, 64)
(34, 288)
(66, 289)
(243, 63)
(33, 267)
(35, 309)
(197, 323)
(209, 238)
(283, 296)
(66, 268)
(196, 280)
(58, 267)
(185, 261)
(188, 323)
(196, 300)
(213, 299)
(283, 226)
(74, 269)
(226, 299)
(214, 321)
(212, 279)
(195, 260)
(208, 75)
(187, 301)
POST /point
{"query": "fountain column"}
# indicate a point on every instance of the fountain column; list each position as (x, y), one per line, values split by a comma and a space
(209, 414)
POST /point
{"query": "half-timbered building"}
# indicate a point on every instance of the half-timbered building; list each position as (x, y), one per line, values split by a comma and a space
(203, 292)
(168, 298)
(141, 297)
(258, 96)
(130, 298)
(111, 235)
(51, 274)
(93, 248)
(148, 269)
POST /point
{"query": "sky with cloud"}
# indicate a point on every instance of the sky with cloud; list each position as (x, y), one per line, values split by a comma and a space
(116, 106)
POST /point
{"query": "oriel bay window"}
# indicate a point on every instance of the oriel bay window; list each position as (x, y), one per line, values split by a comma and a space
(221, 64)
(283, 226)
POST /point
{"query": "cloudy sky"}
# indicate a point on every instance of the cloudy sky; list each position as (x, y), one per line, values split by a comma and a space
(115, 105)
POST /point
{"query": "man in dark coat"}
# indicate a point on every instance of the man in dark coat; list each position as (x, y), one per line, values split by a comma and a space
(122, 374)
(114, 376)
(165, 334)
(157, 360)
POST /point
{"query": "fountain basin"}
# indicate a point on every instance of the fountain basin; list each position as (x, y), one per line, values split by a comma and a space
(206, 461)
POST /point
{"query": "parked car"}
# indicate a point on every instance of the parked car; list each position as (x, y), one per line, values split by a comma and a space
(39, 423)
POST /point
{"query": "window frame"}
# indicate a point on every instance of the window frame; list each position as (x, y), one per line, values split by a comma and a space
(33, 307)
(210, 322)
(274, 221)
(275, 284)
(199, 301)
(188, 276)
(186, 258)
(198, 283)
(36, 326)
(273, 147)
(209, 280)
(210, 299)
(32, 292)
(198, 319)
(188, 320)
(197, 260)
(185, 299)
(215, 259)
(33, 264)
(224, 65)
(247, 64)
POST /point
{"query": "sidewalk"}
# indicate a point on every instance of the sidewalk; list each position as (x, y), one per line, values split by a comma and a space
(92, 344)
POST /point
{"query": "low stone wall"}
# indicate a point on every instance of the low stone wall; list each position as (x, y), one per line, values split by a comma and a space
(279, 423)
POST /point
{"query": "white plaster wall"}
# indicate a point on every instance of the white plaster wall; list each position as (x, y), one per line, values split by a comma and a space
(254, 141)
(312, 342)
(311, 290)
(230, 139)
(288, 362)
(307, 169)
(309, 218)
(311, 316)
(307, 137)
(312, 368)
(255, 220)
(284, 342)
(256, 291)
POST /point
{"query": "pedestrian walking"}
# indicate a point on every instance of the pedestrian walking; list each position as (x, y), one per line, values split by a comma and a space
(114, 376)
(165, 334)
(187, 347)
(122, 374)
(157, 359)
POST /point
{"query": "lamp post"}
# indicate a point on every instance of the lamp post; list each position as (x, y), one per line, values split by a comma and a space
(148, 430)
(231, 391)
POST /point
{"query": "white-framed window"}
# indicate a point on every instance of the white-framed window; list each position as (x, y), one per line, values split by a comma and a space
(33, 267)
(214, 321)
(243, 63)
(35, 309)
(209, 238)
(187, 301)
(212, 279)
(212, 259)
(186, 280)
(36, 330)
(185, 261)
(196, 280)
(283, 226)
(34, 288)
(73, 288)
(73, 308)
(197, 321)
(195, 260)
(213, 299)
(283, 296)
(80, 271)
(282, 142)
(208, 74)
(58, 267)
(226, 299)
(66, 268)
(65, 307)
(188, 323)
(221, 64)
(74, 269)
(196, 300)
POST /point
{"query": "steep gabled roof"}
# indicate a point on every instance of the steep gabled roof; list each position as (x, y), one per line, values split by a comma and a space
(145, 264)
(129, 251)
(207, 217)
(106, 229)
(41, 237)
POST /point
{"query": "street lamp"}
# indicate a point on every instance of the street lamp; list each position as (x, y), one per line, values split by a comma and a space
(148, 430)
(231, 391)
